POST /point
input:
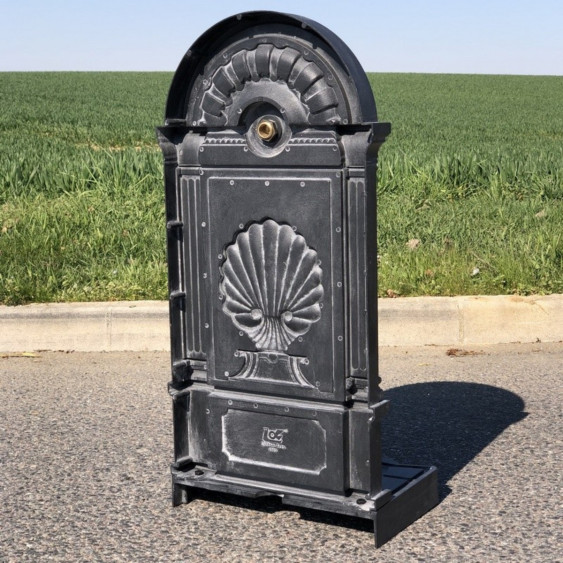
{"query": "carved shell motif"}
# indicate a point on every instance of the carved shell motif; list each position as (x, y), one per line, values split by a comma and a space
(276, 65)
(272, 285)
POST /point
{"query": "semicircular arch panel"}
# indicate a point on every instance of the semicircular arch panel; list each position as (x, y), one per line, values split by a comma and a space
(291, 63)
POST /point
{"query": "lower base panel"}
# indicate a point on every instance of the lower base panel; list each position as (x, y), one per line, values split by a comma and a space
(407, 493)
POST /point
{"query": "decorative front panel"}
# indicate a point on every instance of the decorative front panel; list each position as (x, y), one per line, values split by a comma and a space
(276, 280)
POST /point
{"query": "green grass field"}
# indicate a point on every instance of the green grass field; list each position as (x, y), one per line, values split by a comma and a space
(473, 171)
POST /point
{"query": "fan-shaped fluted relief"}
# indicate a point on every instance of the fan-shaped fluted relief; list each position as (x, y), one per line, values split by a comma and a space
(270, 64)
(272, 285)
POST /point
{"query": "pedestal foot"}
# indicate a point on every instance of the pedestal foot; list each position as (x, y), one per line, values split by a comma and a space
(180, 494)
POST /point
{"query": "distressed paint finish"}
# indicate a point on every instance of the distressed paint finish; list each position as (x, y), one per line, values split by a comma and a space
(270, 145)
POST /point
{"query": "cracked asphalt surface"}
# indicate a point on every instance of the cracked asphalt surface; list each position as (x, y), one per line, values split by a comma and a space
(86, 441)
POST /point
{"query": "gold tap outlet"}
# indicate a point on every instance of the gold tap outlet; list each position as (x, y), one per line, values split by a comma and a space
(266, 129)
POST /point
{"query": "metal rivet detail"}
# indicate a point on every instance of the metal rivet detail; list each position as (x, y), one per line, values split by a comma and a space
(302, 184)
(232, 182)
(340, 339)
(203, 224)
(266, 183)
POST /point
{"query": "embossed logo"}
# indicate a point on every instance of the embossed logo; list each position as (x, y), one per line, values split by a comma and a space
(272, 438)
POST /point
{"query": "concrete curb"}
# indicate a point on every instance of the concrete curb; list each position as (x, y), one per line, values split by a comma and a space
(411, 321)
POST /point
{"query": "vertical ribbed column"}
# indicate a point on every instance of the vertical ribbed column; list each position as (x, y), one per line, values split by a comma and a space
(356, 250)
(195, 266)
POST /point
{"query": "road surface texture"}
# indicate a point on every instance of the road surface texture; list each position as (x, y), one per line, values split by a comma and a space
(86, 439)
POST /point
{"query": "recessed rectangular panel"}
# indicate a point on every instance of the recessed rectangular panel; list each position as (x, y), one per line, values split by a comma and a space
(269, 440)
(272, 441)
(276, 279)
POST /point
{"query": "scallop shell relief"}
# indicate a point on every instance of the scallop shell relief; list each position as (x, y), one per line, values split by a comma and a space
(271, 282)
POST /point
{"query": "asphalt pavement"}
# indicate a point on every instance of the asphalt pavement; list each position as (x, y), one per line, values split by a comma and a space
(86, 440)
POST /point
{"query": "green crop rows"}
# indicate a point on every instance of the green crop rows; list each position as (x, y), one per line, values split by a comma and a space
(470, 185)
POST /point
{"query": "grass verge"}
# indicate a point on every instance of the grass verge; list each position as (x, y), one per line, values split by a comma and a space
(470, 188)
